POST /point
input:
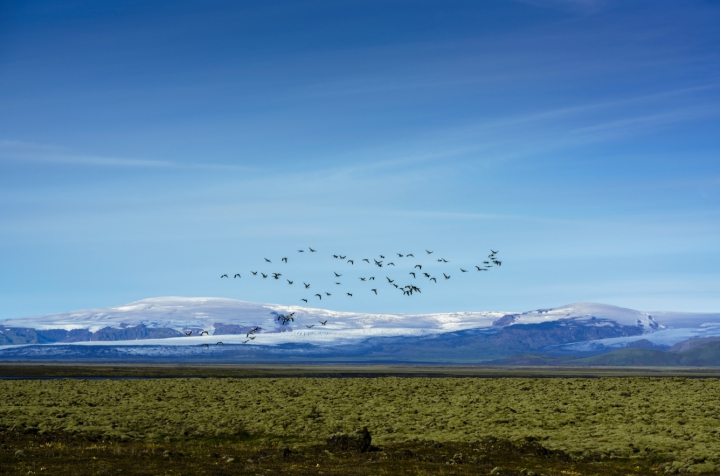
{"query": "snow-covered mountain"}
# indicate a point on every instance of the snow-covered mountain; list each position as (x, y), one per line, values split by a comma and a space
(165, 322)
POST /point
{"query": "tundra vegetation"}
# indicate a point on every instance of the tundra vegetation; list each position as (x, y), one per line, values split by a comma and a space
(609, 425)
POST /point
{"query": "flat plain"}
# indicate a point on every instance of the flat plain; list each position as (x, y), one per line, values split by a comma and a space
(474, 422)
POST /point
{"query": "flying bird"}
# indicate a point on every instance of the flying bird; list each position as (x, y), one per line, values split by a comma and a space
(429, 252)
(219, 343)
(206, 346)
(351, 262)
(336, 282)
(224, 276)
(328, 294)
(304, 300)
(382, 256)
(237, 275)
(372, 278)
(365, 259)
(433, 279)
(374, 290)
(264, 275)
(426, 275)
(204, 332)
(413, 274)
(311, 250)
(418, 266)
(187, 333)
(389, 280)
(254, 273)
(246, 341)
(343, 257)
(362, 279)
(335, 256)
(409, 255)
(349, 294)
(310, 326)
(268, 260)
(499, 263)
(306, 285)
(320, 296)
(289, 282)
(252, 337)
(493, 252)
(284, 259)
(399, 255)
(463, 270)
(301, 251)
(323, 322)
(337, 275)
(446, 276)
(391, 264)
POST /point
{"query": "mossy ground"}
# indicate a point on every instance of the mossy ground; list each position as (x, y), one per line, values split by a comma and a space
(607, 425)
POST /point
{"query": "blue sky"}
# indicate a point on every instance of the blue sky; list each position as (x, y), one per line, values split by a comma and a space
(148, 147)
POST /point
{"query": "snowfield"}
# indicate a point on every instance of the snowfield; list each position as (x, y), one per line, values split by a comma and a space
(211, 314)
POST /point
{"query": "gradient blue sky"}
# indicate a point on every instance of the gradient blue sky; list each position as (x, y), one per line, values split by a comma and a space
(148, 147)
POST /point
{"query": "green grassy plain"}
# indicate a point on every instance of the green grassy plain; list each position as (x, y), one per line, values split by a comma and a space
(676, 420)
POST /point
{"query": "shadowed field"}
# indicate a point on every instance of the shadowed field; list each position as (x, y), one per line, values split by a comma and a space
(674, 421)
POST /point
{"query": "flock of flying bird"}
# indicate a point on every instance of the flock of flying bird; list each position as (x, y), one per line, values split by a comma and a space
(377, 263)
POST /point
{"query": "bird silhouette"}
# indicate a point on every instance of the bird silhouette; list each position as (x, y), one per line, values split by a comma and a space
(237, 275)
(268, 260)
(306, 285)
(362, 279)
(351, 262)
(205, 332)
(264, 275)
(311, 250)
(310, 326)
(399, 255)
(337, 275)
(284, 259)
(335, 256)
(493, 252)
(343, 257)
(499, 263)
(374, 290)
(289, 282)
(396, 286)
(372, 278)
(349, 294)
(187, 333)
(304, 300)
(426, 275)
(224, 276)
(391, 264)
(418, 266)
(246, 341)
(328, 294)
(206, 346)
(365, 259)
(429, 252)
(254, 273)
(389, 280)
(322, 323)
(252, 337)
(320, 296)
(336, 282)
(446, 276)
(463, 270)
(433, 279)
(382, 256)
(301, 251)
(413, 274)
(409, 255)
(219, 343)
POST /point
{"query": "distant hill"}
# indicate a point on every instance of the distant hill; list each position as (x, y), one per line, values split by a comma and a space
(703, 355)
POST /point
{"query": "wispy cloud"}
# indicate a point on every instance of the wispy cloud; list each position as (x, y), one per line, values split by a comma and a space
(20, 151)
